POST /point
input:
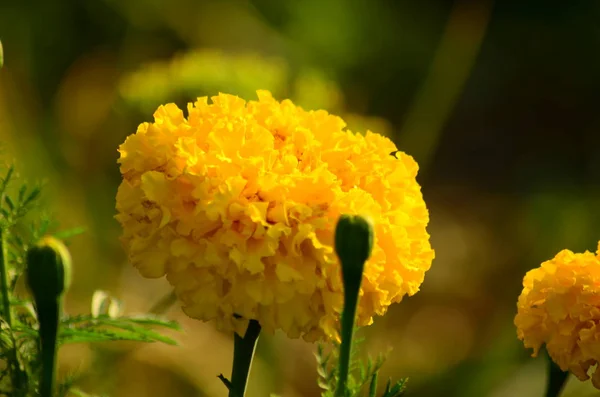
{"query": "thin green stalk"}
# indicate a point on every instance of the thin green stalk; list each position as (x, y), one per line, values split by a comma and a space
(353, 244)
(48, 274)
(557, 379)
(7, 313)
(164, 304)
(243, 353)
(348, 316)
(48, 313)
(13, 364)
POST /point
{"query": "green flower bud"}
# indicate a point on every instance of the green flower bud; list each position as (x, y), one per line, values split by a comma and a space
(353, 245)
(48, 269)
(48, 276)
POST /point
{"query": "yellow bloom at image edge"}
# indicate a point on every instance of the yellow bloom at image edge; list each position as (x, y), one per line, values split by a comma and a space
(237, 204)
(560, 307)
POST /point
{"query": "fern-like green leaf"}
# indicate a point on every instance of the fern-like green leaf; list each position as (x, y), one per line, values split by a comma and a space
(76, 392)
(22, 191)
(87, 328)
(9, 203)
(6, 179)
(373, 385)
(32, 196)
(69, 233)
(155, 321)
(397, 389)
(107, 335)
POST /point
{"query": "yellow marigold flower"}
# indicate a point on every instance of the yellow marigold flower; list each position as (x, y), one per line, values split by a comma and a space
(237, 204)
(560, 307)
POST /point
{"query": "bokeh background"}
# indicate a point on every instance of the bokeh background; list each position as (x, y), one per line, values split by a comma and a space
(497, 101)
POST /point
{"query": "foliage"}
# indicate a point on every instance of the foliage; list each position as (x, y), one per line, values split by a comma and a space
(22, 224)
(362, 378)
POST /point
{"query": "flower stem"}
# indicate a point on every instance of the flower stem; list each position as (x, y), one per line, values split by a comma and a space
(6, 312)
(13, 363)
(164, 304)
(353, 245)
(48, 274)
(348, 316)
(48, 314)
(243, 353)
(557, 379)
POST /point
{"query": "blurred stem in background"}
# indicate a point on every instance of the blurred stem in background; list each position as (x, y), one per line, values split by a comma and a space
(450, 70)
(163, 304)
(557, 378)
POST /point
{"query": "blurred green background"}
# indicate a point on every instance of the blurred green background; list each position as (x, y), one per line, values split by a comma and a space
(497, 101)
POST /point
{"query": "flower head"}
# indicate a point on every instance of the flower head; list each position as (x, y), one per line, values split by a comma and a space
(237, 205)
(560, 307)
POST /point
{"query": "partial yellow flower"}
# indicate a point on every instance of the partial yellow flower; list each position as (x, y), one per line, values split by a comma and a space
(560, 307)
(237, 204)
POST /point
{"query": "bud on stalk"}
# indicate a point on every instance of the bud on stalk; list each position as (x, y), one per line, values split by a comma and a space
(353, 245)
(48, 276)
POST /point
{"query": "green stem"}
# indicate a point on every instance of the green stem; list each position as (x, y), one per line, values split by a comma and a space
(557, 379)
(48, 313)
(164, 304)
(243, 353)
(348, 316)
(13, 364)
(7, 313)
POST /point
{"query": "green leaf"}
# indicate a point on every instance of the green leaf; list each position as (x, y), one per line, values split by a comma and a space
(155, 321)
(397, 390)
(67, 234)
(78, 393)
(373, 385)
(322, 372)
(362, 371)
(87, 328)
(69, 336)
(22, 191)
(6, 340)
(319, 353)
(33, 194)
(143, 333)
(9, 203)
(6, 179)
(323, 384)
(42, 228)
